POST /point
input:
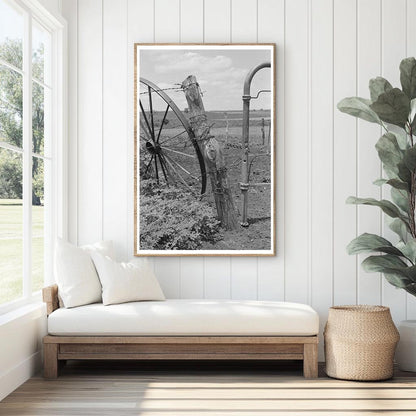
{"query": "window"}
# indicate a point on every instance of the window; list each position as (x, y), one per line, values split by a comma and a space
(30, 148)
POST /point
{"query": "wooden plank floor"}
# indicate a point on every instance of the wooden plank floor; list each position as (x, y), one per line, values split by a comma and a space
(213, 388)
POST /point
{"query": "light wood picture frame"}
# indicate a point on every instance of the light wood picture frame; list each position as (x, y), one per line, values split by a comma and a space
(204, 150)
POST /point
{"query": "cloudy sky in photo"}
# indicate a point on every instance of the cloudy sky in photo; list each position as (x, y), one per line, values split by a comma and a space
(219, 72)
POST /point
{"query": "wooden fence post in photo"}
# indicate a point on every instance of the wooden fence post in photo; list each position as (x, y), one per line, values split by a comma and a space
(226, 127)
(268, 134)
(213, 154)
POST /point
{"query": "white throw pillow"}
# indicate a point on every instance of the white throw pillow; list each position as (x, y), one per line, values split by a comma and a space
(103, 247)
(126, 282)
(75, 273)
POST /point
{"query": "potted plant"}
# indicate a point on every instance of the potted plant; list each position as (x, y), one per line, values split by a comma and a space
(394, 109)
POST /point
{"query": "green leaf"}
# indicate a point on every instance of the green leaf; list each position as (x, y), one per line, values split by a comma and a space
(381, 263)
(392, 157)
(380, 182)
(359, 107)
(404, 173)
(395, 183)
(400, 198)
(412, 109)
(401, 137)
(408, 77)
(389, 151)
(411, 289)
(408, 249)
(400, 228)
(395, 270)
(366, 243)
(412, 116)
(392, 107)
(398, 184)
(378, 86)
(388, 207)
(409, 158)
(410, 272)
(397, 280)
(390, 173)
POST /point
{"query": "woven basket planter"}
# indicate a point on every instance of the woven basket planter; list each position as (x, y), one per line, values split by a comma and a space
(360, 342)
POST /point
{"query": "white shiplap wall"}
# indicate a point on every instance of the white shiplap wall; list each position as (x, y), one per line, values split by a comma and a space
(326, 50)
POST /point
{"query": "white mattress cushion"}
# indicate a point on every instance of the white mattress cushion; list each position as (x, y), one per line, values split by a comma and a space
(187, 317)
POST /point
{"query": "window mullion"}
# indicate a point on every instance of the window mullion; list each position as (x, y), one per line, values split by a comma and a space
(27, 157)
(12, 67)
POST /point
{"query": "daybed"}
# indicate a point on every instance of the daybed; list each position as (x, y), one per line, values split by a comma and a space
(181, 329)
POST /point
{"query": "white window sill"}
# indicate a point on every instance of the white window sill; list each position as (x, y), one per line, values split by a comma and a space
(20, 302)
(34, 306)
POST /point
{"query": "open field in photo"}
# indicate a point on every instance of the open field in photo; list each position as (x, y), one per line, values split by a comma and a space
(11, 249)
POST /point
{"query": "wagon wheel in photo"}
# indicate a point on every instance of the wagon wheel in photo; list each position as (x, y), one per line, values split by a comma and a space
(169, 152)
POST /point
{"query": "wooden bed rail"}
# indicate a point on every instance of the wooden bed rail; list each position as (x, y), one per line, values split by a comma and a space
(58, 349)
(50, 297)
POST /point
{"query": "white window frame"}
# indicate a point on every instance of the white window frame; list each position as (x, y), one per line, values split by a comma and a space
(58, 227)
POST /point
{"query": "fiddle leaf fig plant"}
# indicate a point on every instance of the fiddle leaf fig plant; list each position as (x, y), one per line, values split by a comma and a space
(394, 109)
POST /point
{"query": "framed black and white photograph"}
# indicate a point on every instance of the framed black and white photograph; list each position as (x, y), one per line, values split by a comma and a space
(204, 124)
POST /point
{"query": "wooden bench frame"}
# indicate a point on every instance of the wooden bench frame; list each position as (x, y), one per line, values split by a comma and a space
(58, 349)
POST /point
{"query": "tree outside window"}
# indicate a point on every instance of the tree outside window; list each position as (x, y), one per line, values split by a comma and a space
(25, 152)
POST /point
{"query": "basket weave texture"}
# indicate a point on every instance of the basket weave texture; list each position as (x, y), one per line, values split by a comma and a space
(360, 341)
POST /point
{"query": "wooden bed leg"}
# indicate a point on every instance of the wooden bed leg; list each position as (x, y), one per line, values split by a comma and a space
(310, 360)
(50, 360)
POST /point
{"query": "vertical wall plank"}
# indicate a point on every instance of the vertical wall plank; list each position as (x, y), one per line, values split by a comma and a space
(192, 21)
(369, 168)
(393, 51)
(167, 271)
(90, 184)
(70, 11)
(136, 33)
(244, 29)
(411, 51)
(321, 148)
(167, 29)
(217, 26)
(140, 11)
(167, 24)
(271, 270)
(217, 278)
(411, 28)
(114, 124)
(345, 151)
(243, 21)
(296, 152)
(217, 20)
(192, 278)
(192, 31)
(244, 278)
